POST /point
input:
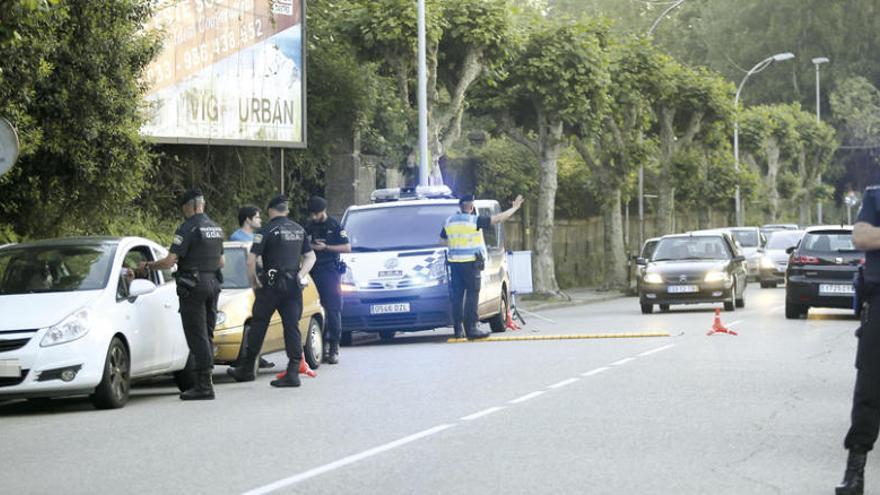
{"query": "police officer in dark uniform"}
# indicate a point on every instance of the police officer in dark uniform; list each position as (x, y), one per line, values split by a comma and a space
(328, 241)
(866, 399)
(466, 255)
(198, 251)
(278, 287)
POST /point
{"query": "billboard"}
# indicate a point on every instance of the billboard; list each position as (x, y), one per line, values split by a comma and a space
(230, 72)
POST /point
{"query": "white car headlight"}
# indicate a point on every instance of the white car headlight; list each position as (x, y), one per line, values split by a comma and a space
(653, 278)
(71, 328)
(221, 318)
(716, 277)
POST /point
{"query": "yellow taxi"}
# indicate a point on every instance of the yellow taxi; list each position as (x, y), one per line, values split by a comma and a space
(234, 314)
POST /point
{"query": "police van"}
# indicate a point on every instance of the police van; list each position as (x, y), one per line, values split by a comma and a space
(397, 279)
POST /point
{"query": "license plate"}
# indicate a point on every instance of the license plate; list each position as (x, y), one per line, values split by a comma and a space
(10, 369)
(836, 289)
(383, 309)
(390, 274)
(682, 289)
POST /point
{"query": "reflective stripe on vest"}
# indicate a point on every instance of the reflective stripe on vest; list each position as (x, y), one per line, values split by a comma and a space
(465, 240)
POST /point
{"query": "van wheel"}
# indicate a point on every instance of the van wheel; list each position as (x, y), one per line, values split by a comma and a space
(314, 346)
(498, 323)
(112, 392)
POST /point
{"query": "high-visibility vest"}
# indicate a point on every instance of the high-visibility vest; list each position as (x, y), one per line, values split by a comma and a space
(464, 239)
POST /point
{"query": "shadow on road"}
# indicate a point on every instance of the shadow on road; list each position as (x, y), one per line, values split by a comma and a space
(373, 339)
(26, 407)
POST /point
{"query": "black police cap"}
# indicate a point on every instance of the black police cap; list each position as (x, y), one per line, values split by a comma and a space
(466, 198)
(189, 195)
(317, 204)
(276, 201)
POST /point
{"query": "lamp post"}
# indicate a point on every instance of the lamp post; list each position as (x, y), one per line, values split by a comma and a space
(422, 98)
(760, 66)
(817, 62)
(642, 166)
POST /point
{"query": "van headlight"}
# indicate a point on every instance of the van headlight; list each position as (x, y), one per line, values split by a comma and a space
(71, 328)
(653, 278)
(438, 270)
(716, 276)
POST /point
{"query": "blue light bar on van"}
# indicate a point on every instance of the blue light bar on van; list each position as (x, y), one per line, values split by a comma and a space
(418, 192)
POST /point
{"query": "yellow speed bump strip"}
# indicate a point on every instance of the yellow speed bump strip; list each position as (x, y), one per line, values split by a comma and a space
(574, 336)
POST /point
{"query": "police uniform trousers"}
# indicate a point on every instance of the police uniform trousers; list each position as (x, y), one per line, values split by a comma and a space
(288, 303)
(866, 398)
(327, 279)
(198, 313)
(465, 294)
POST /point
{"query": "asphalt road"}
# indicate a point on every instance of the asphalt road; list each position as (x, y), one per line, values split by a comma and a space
(761, 412)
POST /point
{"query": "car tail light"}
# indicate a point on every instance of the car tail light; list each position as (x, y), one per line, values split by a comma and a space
(805, 260)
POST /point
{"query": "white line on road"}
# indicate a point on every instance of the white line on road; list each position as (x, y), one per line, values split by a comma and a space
(623, 361)
(737, 322)
(346, 461)
(526, 397)
(564, 383)
(484, 412)
(596, 371)
(654, 351)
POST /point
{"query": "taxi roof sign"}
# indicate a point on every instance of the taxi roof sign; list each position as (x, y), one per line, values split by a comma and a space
(405, 193)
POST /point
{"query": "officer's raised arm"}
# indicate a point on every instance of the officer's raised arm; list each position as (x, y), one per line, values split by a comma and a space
(866, 237)
(505, 215)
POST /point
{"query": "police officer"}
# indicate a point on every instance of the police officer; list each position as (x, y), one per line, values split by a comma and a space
(467, 256)
(328, 241)
(277, 247)
(198, 251)
(866, 399)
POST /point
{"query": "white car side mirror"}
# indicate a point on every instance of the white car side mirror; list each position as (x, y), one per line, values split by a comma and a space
(141, 287)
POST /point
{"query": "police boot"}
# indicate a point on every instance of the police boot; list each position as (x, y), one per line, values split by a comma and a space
(459, 331)
(204, 389)
(264, 363)
(291, 378)
(325, 352)
(475, 333)
(245, 372)
(854, 479)
(333, 353)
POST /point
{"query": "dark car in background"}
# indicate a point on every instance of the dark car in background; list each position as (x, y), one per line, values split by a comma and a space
(694, 268)
(821, 270)
(774, 262)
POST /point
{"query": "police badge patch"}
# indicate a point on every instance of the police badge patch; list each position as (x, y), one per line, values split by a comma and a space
(178, 240)
(258, 238)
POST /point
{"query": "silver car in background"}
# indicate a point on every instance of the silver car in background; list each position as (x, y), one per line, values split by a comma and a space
(774, 262)
(751, 241)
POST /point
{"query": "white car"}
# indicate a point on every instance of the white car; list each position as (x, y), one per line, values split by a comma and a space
(76, 320)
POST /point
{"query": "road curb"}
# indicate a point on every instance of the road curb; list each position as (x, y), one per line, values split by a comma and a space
(568, 304)
(573, 336)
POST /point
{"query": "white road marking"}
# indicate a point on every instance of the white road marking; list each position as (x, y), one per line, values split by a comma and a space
(596, 371)
(564, 383)
(623, 361)
(654, 351)
(484, 412)
(286, 482)
(737, 322)
(526, 397)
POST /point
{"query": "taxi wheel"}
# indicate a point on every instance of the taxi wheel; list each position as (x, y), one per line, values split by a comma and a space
(112, 392)
(314, 346)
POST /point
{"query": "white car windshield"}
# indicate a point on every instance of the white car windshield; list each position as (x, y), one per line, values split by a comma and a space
(783, 240)
(398, 227)
(235, 269)
(746, 238)
(35, 269)
(691, 248)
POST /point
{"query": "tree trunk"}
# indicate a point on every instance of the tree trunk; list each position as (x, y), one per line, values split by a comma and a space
(703, 219)
(549, 144)
(773, 152)
(664, 184)
(615, 253)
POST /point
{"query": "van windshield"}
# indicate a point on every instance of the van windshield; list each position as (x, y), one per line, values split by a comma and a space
(397, 227)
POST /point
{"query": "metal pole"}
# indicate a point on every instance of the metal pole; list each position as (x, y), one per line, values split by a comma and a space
(423, 99)
(641, 206)
(818, 121)
(282, 170)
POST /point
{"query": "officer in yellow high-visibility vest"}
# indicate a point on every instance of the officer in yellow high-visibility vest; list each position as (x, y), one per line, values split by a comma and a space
(463, 235)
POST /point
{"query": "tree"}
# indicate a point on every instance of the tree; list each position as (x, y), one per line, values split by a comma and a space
(83, 160)
(558, 79)
(614, 150)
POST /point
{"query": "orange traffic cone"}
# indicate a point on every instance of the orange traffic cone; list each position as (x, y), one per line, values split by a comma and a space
(304, 369)
(509, 323)
(719, 327)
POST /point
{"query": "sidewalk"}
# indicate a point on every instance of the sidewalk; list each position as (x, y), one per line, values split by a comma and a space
(579, 297)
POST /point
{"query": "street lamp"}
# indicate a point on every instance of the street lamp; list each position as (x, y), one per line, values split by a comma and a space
(760, 66)
(817, 62)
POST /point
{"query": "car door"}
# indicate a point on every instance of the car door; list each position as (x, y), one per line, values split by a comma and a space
(167, 322)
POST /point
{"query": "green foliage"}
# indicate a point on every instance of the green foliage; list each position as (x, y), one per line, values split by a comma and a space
(855, 104)
(505, 169)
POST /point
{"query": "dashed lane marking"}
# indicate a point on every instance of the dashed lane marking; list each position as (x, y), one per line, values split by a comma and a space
(623, 361)
(574, 336)
(484, 412)
(654, 351)
(564, 383)
(345, 461)
(733, 323)
(526, 397)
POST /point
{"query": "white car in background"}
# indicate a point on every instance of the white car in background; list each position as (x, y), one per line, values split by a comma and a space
(77, 321)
